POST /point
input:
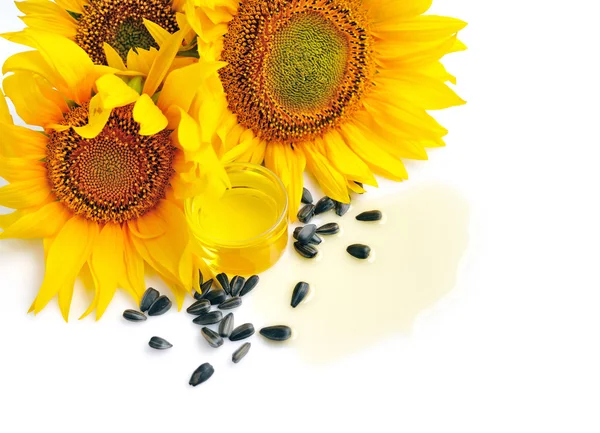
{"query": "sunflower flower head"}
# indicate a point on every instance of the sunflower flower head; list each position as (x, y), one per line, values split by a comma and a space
(339, 87)
(124, 25)
(102, 182)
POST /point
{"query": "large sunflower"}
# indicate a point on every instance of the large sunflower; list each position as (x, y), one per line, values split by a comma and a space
(341, 87)
(124, 25)
(102, 183)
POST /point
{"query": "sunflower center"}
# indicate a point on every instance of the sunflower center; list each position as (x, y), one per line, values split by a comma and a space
(115, 177)
(120, 23)
(296, 68)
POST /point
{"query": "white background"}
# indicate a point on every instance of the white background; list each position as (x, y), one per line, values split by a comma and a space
(514, 348)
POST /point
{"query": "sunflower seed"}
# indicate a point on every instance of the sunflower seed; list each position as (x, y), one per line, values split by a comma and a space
(236, 285)
(159, 343)
(372, 215)
(276, 333)
(306, 196)
(297, 231)
(134, 316)
(359, 251)
(226, 325)
(216, 296)
(160, 306)
(306, 213)
(307, 251)
(200, 278)
(341, 208)
(212, 337)
(231, 303)
(224, 282)
(300, 292)
(240, 353)
(202, 374)
(315, 240)
(250, 284)
(329, 229)
(306, 233)
(241, 332)
(208, 318)
(148, 299)
(324, 205)
(204, 289)
(199, 307)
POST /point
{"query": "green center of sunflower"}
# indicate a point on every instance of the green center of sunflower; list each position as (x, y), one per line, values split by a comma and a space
(307, 62)
(115, 177)
(120, 23)
(296, 69)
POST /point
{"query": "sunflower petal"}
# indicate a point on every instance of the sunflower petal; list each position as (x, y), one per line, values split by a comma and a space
(19, 195)
(332, 181)
(345, 160)
(5, 116)
(113, 58)
(67, 254)
(42, 223)
(159, 34)
(17, 141)
(149, 116)
(97, 118)
(162, 62)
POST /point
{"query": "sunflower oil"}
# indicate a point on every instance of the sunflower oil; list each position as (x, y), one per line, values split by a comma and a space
(245, 231)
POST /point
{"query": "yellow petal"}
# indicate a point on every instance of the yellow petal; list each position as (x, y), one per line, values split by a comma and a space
(19, 195)
(97, 118)
(72, 5)
(19, 169)
(17, 141)
(5, 116)
(149, 116)
(392, 10)
(159, 34)
(134, 266)
(331, 181)
(34, 99)
(288, 164)
(107, 265)
(420, 90)
(423, 28)
(162, 62)
(42, 223)
(67, 254)
(115, 92)
(113, 58)
(345, 160)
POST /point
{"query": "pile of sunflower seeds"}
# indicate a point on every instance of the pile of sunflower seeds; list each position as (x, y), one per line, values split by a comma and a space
(208, 310)
(307, 236)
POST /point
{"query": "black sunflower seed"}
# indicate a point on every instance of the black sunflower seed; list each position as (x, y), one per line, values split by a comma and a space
(297, 231)
(159, 343)
(134, 316)
(300, 292)
(359, 251)
(204, 289)
(276, 333)
(341, 208)
(241, 332)
(306, 251)
(208, 318)
(202, 374)
(148, 299)
(306, 233)
(250, 284)
(240, 353)
(224, 282)
(315, 240)
(215, 297)
(306, 213)
(199, 307)
(226, 325)
(212, 337)
(372, 215)
(329, 229)
(307, 197)
(237, 283)
(324, 205)
(160, 306)
(231, 303)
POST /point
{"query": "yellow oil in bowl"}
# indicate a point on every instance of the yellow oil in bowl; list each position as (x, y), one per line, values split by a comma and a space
(245, 231)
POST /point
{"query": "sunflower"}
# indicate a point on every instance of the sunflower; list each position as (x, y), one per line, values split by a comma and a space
(339, 87)
(102, 182)
(124, 25)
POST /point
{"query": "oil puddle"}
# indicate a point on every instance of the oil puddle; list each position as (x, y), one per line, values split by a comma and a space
(353, 303)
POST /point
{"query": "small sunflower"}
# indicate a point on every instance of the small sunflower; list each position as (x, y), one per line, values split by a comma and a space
(124, 25)
(102, 182)
(341, 87)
